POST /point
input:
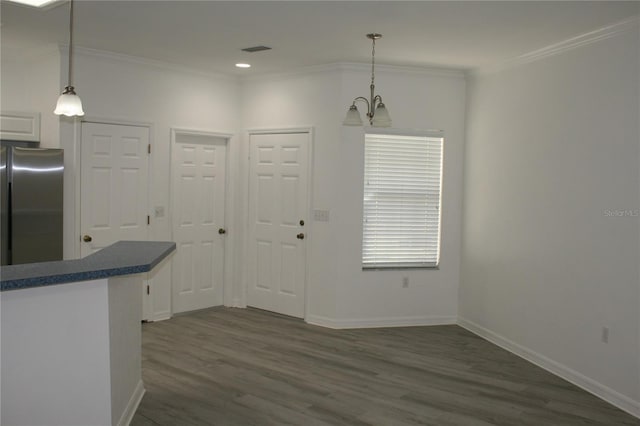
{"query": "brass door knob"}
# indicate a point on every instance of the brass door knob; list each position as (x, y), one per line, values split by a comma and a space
(222, 231)
(87, 238)
(300, 236)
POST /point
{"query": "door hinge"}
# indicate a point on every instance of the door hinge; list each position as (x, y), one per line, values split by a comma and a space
(148, 289)
(149, 149)
(148, 220)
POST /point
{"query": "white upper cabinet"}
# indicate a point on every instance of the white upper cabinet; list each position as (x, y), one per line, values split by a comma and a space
(20, 126)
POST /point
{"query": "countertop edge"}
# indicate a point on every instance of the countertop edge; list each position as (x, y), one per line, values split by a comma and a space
(121, 258)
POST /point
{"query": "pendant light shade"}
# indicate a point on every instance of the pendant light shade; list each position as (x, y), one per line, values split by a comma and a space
(69, 103)
(381, 118)
(353, 117)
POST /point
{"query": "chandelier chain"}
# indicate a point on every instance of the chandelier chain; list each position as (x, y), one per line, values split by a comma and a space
(373, 61)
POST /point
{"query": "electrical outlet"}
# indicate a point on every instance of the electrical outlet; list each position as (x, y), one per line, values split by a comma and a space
(605, 335)
(405, 282)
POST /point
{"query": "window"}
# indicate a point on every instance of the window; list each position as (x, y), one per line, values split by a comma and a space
(402, 182)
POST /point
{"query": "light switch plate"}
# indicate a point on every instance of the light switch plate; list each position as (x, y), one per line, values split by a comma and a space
(159, 211)
(321, 215)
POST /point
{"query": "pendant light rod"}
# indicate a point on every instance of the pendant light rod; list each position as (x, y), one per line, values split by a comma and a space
(70, 43)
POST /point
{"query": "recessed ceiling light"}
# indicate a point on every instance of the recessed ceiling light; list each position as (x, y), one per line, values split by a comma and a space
(242, 65)
(36, 3)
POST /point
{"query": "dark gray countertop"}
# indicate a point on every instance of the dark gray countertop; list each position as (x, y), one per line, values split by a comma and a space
(121, 258)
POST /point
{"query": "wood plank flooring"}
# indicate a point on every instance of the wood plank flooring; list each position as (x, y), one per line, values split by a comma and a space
(248, 367)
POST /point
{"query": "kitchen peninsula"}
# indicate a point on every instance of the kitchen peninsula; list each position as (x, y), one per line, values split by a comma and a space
(71, 336)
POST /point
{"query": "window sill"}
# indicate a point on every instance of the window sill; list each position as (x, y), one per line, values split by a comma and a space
(398, 268)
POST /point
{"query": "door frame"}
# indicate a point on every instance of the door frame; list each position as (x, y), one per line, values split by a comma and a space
(76, 161)
(147, 307)
(310, 131)
(229, 217)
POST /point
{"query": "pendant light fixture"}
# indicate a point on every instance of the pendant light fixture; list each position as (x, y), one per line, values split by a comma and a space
(69, 103)
(376, 110)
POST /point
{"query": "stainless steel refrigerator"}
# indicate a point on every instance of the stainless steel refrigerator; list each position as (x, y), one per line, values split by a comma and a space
(31, 190)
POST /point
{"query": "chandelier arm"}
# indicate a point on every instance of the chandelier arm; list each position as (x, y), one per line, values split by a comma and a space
(362, 98)
(369, 103)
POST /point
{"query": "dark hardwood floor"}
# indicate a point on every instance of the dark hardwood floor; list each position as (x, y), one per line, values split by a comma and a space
(249, 367)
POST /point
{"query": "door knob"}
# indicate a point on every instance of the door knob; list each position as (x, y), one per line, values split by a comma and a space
(222, 231)
(87, 238)
(300, 236)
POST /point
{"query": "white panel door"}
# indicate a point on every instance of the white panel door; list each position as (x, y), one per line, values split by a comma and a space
(278, 208)
(113, 185)
(198, 206)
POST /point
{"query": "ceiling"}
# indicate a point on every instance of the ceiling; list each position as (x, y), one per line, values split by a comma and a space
(208, 35)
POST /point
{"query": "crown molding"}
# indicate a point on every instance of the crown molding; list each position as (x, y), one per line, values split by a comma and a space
(401, 69)
(302, 71)
(357, 67)
(167, 66)
(569, 44)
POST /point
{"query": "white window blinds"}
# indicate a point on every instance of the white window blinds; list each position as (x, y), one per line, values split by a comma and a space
(402, 182)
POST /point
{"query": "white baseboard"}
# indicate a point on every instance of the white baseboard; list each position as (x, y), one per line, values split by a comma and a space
(162, 316)
(237, 303)
(380, 322)
(132, 406)
(601, 391)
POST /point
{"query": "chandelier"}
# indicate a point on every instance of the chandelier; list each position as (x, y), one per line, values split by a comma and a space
(376, 110)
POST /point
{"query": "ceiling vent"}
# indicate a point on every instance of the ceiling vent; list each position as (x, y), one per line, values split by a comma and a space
(255, 49)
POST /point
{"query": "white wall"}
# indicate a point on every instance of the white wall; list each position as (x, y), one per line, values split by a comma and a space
(29, 82)
(341, 294)
(55, 355)
(552, 151)
(125, 346)
(71, 353)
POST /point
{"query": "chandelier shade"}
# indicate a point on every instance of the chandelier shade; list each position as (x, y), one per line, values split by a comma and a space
(381, 118)
(353, 117)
